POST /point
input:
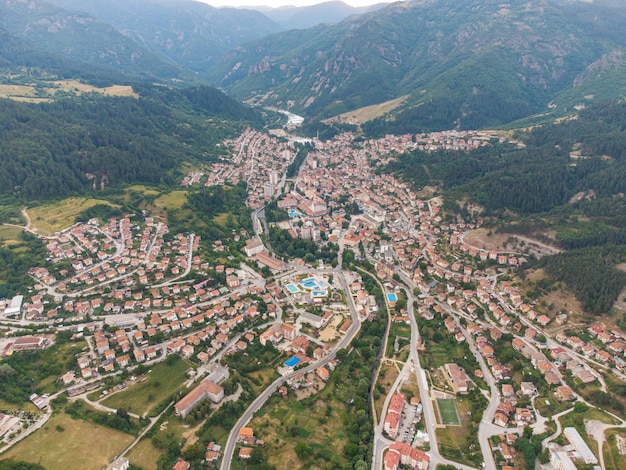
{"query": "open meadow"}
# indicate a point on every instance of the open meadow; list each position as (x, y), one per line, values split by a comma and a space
(45, 91)
(53, 217)
(142, 397)
(367, 113)
(9, 235)
(145, 455)
(64, 441)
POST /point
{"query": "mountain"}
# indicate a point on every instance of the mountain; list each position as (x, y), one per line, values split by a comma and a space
(92, 142)
(191, 34)
(466, 64)
(292, 17)
(78, 37)
(19, 57)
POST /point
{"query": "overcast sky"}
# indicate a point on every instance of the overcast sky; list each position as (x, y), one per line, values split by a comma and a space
(278, 3)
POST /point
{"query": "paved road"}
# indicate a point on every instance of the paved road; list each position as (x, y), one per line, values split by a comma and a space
(428, 412)
(557, 433)
(27, 432)
(229, 448)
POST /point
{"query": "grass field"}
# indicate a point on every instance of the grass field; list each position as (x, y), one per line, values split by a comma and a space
(613, 459)
(386, 377)
(172, 200)
(9, 235)
(23, 93)
(56, 216)
(554, 407)
(26, 406)
(142, 397)
(145, 455)
(319, 425)
(63, 442)
(32, 94)
(142, 189)
(265, 377)
(367, 113)
(221, 219)
(447, 412)
(77, 87)
(400, 330)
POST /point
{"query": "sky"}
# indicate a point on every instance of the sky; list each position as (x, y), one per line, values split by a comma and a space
(278, 3)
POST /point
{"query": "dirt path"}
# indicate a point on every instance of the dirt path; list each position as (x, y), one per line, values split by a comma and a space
(481, 239)
(26, 227)
(27, 217)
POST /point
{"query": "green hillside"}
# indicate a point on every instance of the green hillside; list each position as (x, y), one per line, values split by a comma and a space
(463, 64)
(80, 38)
(91, 141)
(190, 33)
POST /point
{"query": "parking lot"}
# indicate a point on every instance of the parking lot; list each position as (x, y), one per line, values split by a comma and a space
(408, 423)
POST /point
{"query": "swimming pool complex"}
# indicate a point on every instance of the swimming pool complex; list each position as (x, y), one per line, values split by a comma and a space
(292, 288)
(313, 283)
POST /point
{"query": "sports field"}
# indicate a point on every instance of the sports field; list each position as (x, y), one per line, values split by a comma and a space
(448, 414)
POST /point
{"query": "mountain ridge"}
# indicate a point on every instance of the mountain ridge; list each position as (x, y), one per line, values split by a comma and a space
(79, 37)
(441, 53)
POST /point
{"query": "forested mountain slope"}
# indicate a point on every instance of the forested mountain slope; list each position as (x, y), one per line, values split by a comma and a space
(79, 37)
(466, 64)
(76, 144)
(190, 33)
(293, 17)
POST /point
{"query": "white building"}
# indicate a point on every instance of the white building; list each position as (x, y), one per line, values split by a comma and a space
(15, 308)
(574, 437)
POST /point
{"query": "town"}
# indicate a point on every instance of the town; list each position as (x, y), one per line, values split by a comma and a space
(471, 369)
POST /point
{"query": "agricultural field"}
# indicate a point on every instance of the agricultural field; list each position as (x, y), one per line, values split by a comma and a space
(53, 217)
(142, 397)
(57, 445)
(45, 91)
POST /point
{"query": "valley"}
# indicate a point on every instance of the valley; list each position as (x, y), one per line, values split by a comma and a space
(321, 237)
(400, 264)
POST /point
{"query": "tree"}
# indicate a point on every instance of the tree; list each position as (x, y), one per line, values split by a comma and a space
(302, 450)
(256, 456)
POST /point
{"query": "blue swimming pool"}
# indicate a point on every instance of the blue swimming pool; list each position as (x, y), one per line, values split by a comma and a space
(292, 288)
(309, 283)
(292, 361)
(391, 297)
(293, 213)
